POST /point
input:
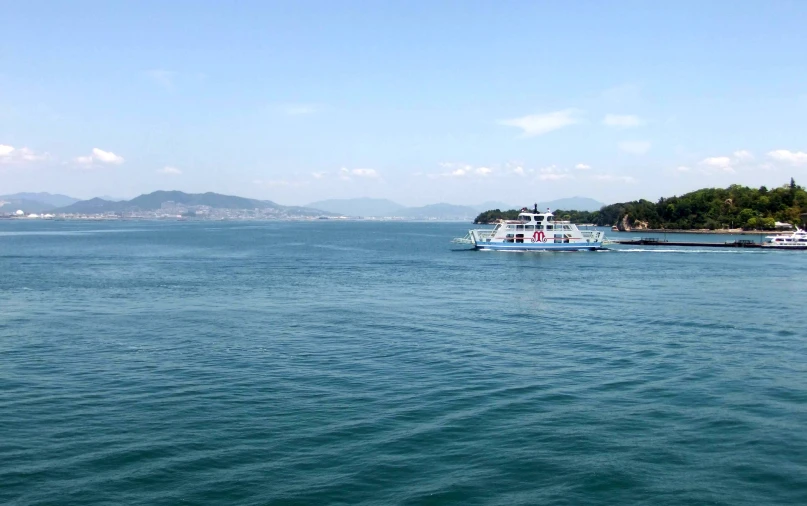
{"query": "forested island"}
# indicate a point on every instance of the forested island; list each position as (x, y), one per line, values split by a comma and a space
(709, 208)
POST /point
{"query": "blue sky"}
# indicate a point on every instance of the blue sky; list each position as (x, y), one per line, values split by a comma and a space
(420, 102)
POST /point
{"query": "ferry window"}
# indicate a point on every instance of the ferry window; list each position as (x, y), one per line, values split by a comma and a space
(519, 227)
(529, 227)
(549, 227)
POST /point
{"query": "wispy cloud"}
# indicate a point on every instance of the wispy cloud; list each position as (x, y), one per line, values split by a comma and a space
(318, 175)
(278, 183)
(792, 157)
(622, 120)
(169, 171)
(163, 78)
(634, 147)
(610, 178)
(623, 94)
(299, 109)
(743, 156)
(682, 168)
(346, 174)
(100, 156)
(539, 124)
(582, 166)
(553, 173)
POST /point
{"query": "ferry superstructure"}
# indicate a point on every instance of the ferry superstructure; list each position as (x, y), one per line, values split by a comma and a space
(796, 240)
(534, 231)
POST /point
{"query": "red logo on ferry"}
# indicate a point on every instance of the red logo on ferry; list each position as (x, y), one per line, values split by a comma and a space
(538, 236)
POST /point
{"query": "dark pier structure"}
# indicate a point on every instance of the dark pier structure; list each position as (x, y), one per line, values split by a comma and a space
(742, 243)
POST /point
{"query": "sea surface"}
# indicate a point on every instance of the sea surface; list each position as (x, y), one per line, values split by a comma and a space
(165, 363)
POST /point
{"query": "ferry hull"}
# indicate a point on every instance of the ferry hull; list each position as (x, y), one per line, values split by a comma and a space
(543, 246)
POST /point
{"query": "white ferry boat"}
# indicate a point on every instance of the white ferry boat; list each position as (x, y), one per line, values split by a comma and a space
(534, 231)
(797, 239)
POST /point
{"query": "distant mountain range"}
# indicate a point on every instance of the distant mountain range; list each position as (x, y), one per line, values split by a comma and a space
(360, 207)
(380, 208)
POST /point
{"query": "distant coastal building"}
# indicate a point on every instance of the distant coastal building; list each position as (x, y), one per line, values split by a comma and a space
(783, 226)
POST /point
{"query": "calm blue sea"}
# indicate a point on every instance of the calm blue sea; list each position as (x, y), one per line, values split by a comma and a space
(164, 363)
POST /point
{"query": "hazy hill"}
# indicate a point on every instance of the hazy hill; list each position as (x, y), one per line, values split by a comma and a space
(154, 201)
(10, 206)
(576, 203)
(381, 208)
(439, 211)
(484, 206)
(50, 199)
(91, 206)
(359, 207)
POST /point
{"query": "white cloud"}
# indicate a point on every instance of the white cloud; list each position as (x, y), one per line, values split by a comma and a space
(519, 170)
(622, 120)
(371, 173)
(610, 178)
(461, 170)
(539, 124)
(170, 171)
(318, 175)
(11, 155)
(793, 157)
(635, 147)
(99, 155)
(582, 166)
(743, 156)
(682, 168)
(723, 163)
(106, 156)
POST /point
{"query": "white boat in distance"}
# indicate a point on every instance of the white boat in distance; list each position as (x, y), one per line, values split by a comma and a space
(534, 231)
(797, 239)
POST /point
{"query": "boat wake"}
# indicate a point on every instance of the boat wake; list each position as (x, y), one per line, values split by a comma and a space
(682, 250)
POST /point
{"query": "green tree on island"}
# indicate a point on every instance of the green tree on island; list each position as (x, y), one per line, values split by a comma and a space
(709, 208)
